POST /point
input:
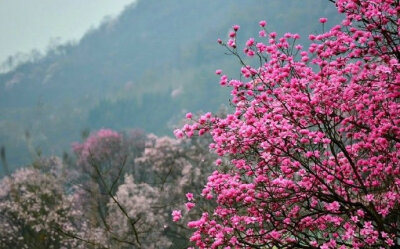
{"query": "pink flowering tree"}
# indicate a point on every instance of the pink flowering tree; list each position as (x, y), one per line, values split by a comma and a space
(314, 141)
(108, 153)
(102, 160)
(102, 148)
(99, 163)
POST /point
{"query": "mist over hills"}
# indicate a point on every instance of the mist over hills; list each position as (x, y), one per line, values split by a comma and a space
(144, 69)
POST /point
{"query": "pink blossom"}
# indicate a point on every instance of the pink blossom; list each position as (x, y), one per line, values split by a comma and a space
(189, 196)
(323, 20)
(312, 142)
(176, 215)
(189, 205)
(262, 23)
(250, 42)
(178, 133)
(189, 115)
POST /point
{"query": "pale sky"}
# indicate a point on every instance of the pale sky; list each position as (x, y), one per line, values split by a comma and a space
(31, 24)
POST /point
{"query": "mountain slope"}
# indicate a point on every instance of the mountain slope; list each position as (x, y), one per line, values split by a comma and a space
(123, 74)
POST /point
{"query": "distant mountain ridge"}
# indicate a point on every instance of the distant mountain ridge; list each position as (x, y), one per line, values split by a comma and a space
(121, 75)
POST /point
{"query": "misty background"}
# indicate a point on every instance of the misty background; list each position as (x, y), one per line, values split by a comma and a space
(70, 68)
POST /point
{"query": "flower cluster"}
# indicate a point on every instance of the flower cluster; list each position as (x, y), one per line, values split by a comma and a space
(177, 167)
(98, 147)
(134, 212)
(129, 185)
(35, 212)
(313, 141)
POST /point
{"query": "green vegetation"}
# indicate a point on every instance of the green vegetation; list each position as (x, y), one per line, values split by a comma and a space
(154, 61)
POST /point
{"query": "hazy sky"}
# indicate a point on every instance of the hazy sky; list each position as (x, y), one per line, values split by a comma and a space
(31, 24)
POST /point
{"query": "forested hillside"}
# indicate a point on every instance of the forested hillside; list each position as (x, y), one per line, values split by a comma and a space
(143, 69)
